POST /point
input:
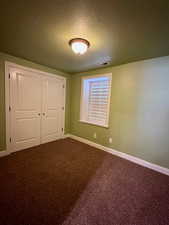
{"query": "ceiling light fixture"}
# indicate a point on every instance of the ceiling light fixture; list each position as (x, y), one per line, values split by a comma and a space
(79, 45)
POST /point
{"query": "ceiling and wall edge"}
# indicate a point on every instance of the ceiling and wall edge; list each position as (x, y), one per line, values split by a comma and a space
(33, 64)
(99, 70)
(104, 69)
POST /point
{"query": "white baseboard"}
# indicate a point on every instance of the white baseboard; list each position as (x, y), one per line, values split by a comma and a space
(112, 151)
(123, 155)
(66, 135)
(4, 153)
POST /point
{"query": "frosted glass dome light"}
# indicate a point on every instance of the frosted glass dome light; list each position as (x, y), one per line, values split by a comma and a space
(79, 45)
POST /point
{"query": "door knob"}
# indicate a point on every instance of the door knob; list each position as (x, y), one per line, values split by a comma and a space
(38, 114)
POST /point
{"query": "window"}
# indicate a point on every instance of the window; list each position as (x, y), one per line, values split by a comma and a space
(95, 99)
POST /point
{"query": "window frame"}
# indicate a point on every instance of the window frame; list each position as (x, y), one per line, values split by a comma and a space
(82, 111)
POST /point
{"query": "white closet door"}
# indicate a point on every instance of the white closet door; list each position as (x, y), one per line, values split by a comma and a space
(25, 95)
(52, 109)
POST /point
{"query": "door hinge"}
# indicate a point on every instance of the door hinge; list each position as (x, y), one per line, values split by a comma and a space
(9, 75)
(63, 108)
(10, 139)
(62, 129)
(63, 86)
(9, 108)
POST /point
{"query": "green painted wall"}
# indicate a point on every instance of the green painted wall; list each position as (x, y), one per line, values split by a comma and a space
(139, 112)
(5, 57)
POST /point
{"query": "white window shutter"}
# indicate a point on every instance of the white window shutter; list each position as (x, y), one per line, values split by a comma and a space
(98, 99)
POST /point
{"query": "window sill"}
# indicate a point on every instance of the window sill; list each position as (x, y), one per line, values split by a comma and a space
(95, 124)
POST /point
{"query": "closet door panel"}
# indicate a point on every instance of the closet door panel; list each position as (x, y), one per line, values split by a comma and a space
(52, 109)
(26, 108)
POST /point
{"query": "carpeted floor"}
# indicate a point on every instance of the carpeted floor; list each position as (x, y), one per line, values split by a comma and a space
(70, 183)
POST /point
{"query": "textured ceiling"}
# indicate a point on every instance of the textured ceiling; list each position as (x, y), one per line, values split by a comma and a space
(119, 31)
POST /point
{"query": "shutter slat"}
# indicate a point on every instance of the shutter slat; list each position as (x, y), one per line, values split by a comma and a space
(98, 101)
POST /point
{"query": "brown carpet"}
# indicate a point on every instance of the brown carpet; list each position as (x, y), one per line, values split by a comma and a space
(70, 183)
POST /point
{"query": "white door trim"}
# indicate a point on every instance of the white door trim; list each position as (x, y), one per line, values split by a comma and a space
(8, 66)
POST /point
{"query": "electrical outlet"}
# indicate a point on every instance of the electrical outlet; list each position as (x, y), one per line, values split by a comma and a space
(110, 140)
(95, 135)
